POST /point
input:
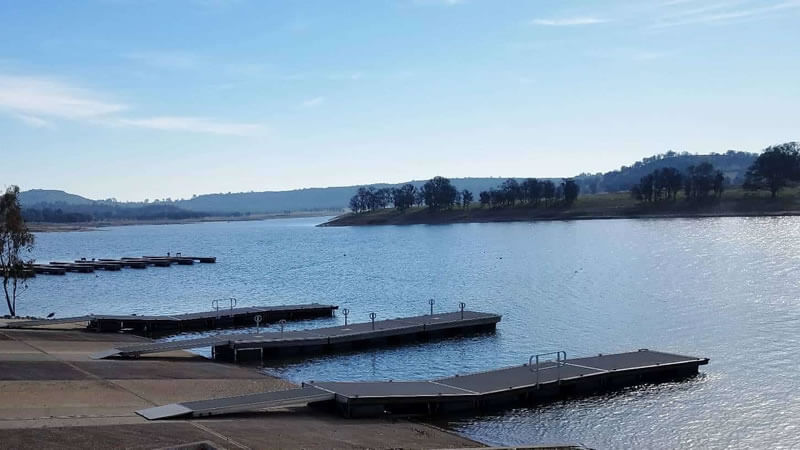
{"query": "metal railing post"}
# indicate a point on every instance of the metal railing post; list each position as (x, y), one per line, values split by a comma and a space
(462, 305)
(431, 302)
(257, 319)
(345, 312)
(561, 358)
(372, 316)
(215, 305)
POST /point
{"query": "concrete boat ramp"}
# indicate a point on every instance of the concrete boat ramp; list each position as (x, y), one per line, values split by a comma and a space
(260, 346)
(217, 318)
(536, 381)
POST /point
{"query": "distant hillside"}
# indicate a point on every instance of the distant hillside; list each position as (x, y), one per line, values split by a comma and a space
(733, 165)
(39, 196)
(312, 199)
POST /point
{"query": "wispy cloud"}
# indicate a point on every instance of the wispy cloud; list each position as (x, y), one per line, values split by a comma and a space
(313, 102)
(33, 121)
(568, 21)
(175, 60)
(194, 125)
(725, 12)
(34, 96)
(36, 100)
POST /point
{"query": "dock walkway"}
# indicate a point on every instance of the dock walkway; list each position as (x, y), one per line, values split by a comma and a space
(85, 265)
(535, 382)
(218, 318)
(237, 347)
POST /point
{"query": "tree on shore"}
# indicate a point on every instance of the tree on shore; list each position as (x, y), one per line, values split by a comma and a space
(439, 193)
(368, 199)
(702, 179)
(571, 190)
(548, 191)
(531, 190)
(15, 241)
(774, 169)
(466, 198)
(403, 197)
(661, 184)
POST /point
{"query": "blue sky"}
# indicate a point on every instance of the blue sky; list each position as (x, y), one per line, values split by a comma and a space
(139, 99)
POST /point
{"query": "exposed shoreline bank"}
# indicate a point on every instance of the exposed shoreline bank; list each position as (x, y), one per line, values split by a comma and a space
(592, 207)
(40, 227)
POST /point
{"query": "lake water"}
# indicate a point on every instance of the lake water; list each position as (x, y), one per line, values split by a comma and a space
(726, 289)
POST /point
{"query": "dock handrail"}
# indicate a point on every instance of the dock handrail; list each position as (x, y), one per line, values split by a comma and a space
(215, 305)
(559, 362)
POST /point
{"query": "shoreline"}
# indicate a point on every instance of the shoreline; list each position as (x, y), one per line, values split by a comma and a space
(436, 218)
(47, 227)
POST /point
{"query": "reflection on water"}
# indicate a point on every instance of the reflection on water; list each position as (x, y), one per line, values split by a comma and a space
(719, 288)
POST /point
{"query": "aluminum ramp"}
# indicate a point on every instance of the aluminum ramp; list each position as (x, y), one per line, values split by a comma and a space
(44, 322)
(244, 403)
(133, 351)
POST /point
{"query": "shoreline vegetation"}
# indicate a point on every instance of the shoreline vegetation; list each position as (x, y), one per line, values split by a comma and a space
(45, 227)
(619, 205)
(667, 192)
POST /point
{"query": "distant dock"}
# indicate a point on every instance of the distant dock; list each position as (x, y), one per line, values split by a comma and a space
(260, 346)
(535, 382)
(85, 265)
(218, 318)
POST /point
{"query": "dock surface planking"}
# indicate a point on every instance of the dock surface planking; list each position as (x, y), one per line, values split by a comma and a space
(528, 383)
(224, 317)
(239, 347)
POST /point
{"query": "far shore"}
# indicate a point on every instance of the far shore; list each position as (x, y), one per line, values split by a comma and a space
(736, 203)
(44, 227)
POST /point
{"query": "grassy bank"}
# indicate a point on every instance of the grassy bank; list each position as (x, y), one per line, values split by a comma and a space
(734, 202)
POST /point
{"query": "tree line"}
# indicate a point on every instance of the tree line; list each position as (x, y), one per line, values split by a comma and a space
(436, 193)
(697, 183)
(66, 213)
(532, 192)
(774, 169)
(439, 193)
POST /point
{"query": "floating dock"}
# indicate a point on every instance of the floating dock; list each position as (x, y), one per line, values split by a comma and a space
(260, 346)
(535, 382)
(221, 318)
(84, 265)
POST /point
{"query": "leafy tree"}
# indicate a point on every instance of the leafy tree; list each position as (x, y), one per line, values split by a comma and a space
(548, 190)
(511, 190)
(775, 168)
(671, 180)
(15, 240)
(571, 190)
(699, 181)
(403, 197)
(439, 193)
(531, 190)
(466, 198)
(485, 198)
(355, 203)
(719, 184)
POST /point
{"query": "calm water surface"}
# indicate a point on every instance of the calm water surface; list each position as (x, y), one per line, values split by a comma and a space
(724, 288)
